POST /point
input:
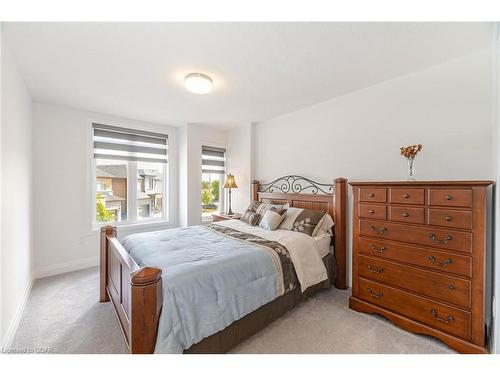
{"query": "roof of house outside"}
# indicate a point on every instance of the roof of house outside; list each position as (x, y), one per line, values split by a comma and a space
(141, 195)
(148, 172)
(112, 171)
(113, 198)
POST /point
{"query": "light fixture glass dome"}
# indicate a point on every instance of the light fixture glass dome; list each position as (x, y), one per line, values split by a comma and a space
(198, 83)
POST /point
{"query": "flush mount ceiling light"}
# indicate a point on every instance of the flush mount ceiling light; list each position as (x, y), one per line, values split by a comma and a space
(198, 83)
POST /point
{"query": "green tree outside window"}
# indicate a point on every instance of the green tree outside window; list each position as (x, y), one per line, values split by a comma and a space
(207, 196)
(216, 190)
(102, 214)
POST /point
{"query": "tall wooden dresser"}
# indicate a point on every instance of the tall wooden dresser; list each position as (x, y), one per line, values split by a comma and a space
(419, 252)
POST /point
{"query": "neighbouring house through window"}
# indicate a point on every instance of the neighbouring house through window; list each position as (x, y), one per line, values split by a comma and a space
(111, 190)
(130, 168)
(213, 168)
(150, 195)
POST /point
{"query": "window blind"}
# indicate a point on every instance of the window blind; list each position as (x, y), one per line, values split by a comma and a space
(213, 160)
(113, 142)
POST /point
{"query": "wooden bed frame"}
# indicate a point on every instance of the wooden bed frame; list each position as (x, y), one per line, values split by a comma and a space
(136, 292)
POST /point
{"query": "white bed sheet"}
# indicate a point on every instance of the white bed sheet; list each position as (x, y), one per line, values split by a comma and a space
(323, 244)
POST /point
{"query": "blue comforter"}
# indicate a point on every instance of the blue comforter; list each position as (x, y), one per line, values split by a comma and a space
(209, 281)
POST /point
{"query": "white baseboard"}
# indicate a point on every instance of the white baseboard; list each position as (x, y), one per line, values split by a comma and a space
(58, 268)
(16, 319)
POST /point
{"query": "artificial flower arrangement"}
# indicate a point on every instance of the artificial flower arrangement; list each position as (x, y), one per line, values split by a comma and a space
(410, 152)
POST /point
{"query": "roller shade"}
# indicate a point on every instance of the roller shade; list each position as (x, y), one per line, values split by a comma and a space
(112, 142)
(213, 160)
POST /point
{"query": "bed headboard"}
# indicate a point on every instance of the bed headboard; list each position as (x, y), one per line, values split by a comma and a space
(302, 192)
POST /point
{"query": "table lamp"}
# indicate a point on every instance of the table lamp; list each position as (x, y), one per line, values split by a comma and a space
(230, 184)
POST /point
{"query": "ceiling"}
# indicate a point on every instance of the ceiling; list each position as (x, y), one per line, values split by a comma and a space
(260, 70)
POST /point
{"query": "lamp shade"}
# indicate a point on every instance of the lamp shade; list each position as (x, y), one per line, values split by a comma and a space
(230, 182)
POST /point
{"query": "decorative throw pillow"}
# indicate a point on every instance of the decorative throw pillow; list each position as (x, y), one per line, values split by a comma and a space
(290, 216)
(250, 217)
(272, 218)
(261, 207)
(253, 206)
(307, 221)
(324, 226)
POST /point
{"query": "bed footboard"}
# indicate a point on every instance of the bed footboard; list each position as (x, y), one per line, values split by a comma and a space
(136, 293)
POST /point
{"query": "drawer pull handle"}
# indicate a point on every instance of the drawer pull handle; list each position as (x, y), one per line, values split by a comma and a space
(444, 264)
(406, 195)
(380, 231)
(406, 214)
(371, 195)
(449, 197)
(451, 287)
(374, 294)
(374, 249)
(433, 237)
(448, 218)
(375, 270)
(371, 211)
(450, 319)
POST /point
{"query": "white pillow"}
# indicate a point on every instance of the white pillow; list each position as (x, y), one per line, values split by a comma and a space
(324, 226)
(272, 218)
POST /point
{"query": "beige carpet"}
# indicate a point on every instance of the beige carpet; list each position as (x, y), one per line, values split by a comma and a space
(63, 313)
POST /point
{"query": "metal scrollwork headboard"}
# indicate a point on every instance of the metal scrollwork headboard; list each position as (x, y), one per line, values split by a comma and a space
(296, 184)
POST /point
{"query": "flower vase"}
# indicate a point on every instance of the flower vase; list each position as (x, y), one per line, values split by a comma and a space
(411, 169)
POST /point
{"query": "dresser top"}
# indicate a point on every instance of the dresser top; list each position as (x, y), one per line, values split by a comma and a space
(422, 183)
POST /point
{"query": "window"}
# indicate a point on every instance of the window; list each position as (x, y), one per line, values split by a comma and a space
(150, 194)
(130, 169)
(213, 168)
(111, 190)
(151, 183)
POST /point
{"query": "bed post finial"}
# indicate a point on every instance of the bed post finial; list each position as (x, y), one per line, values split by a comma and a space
(340, 228)
(106, 231)
(255, 190)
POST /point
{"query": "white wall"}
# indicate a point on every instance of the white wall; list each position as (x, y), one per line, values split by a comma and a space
(16, 195)
(192, 137)
(62, 147)
(496, 141)
(447, 108)
(1, 247)
(183, 205)
(239, 163)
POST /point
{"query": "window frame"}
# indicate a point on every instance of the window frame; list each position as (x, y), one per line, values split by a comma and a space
(222, 196)
(132, 190)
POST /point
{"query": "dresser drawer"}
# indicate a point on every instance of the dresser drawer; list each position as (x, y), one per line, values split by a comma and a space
(407, 196)
(372, 195)
(450, 197)
(407, 214)
(442, 287)
(373, 211)
(433, 259)
(445, 318)
(450, 218)
(441, 238)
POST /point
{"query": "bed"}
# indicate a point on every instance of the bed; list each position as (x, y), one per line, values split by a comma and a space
(131, 276)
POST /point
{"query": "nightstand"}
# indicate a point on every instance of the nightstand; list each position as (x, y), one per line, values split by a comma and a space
(221, 217)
